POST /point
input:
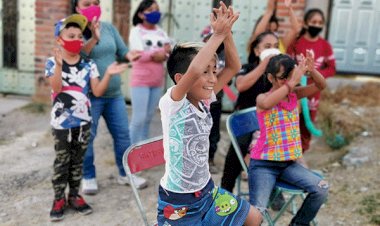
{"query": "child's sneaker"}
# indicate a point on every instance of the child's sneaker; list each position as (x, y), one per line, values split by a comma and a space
(78, 204)
(89, 186)
(139, 181)
(56, 213)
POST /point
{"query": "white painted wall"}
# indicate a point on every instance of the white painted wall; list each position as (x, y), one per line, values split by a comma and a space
(26, 33)
(107, 10)
(1, 34)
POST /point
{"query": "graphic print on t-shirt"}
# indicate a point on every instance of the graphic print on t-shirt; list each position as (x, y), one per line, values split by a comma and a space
(71, 107)
(189, 132)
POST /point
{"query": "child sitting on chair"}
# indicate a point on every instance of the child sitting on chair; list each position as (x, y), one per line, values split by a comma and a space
(187, 194)
(279, 146)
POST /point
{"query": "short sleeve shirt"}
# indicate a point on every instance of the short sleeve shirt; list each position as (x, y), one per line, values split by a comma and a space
(71, 107)
(186, 131)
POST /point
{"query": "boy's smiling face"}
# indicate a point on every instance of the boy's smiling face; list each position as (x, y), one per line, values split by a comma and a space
(204, 86)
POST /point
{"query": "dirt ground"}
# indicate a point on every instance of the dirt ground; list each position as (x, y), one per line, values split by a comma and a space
(27, 155)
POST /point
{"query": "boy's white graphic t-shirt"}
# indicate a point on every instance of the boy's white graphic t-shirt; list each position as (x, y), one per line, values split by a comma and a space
(186, 131)
(71, 106)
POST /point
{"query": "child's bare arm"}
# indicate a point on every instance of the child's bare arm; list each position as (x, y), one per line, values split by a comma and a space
(243, 83)
(56, 79)
(262, 25)
(295, 26)
(98, 87)
(269, 100)
(233, 64)
(221, 25)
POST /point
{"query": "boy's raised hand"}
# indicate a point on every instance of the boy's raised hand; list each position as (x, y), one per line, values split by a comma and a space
(224, 19)
(58, 56)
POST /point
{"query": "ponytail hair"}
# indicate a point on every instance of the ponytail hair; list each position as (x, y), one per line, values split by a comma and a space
(252, 58)
(144, 4)
(308, 15)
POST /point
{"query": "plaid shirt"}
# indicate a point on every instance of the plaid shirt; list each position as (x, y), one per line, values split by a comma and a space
(280, 138)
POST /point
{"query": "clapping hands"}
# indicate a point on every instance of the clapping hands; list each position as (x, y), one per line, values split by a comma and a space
(222, 19)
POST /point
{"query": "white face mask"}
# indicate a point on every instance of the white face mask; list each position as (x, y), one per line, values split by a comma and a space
(267, 52)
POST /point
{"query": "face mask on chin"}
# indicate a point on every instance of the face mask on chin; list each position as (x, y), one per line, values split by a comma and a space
(314, 31)
(267, 52)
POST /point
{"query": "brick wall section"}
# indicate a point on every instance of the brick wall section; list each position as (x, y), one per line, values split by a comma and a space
(48, 12)
(283, 14)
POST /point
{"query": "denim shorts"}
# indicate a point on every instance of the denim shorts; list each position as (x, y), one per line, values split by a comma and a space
(210, 206)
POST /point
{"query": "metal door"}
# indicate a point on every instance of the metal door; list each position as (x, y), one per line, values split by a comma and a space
(355, 35)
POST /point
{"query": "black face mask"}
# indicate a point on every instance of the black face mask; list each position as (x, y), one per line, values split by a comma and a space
(314, 31)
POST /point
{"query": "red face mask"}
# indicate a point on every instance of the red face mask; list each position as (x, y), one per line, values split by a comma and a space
(72, 46)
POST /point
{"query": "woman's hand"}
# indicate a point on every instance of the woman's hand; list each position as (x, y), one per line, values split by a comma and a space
(133, 55)
(159, 56)
(95, 28)
(116, 68)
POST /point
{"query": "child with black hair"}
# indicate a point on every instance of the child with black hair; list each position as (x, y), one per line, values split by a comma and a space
(187, 194)
(104, 45)
(250, 82)
(309, 39)
(148, 73)
(72, 78)
(216, 106)
(279, 146)
(269, 22)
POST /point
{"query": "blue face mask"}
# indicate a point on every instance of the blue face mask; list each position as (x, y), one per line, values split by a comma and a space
(153, 17)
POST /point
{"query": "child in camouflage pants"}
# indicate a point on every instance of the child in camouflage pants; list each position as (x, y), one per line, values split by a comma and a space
(72, 77)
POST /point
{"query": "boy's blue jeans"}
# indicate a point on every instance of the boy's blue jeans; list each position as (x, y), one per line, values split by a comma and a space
(115, 114)
(262, 178)
(144, 105)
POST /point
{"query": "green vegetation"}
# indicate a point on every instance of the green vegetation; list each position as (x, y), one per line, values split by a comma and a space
(371, 208)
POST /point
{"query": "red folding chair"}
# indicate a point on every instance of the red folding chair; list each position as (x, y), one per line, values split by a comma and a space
(139, 157)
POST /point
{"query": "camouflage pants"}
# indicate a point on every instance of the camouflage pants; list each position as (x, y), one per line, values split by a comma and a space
(70, 146)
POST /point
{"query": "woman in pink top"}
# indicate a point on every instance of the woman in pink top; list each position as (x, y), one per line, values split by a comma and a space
(279, 145)
(148, 72)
